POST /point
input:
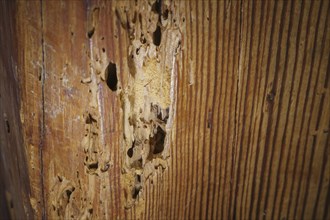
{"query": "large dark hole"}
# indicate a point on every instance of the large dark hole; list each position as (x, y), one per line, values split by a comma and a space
(138, 178)
(135, 192)
(111, 76)
(130, 151)
(157, 141)
(157, 36)
(93, 166)
(157, 7)
(165, 14)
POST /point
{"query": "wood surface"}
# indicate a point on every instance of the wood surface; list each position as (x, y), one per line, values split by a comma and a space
(251, 132)
(15, 186)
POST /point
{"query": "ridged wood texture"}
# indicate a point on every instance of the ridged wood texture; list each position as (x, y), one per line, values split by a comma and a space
(251, 136)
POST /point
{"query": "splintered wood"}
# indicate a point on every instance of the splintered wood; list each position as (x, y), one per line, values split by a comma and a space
(148, 98)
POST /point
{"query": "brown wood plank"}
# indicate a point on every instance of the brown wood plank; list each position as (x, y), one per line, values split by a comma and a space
(250, 139)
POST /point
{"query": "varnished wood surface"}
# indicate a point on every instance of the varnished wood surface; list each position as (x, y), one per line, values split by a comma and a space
(251, 136)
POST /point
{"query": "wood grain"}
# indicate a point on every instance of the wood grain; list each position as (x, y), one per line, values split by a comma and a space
(14, 177)
(251, 134)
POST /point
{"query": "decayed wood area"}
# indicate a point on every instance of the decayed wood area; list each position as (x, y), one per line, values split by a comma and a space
(249, 86)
